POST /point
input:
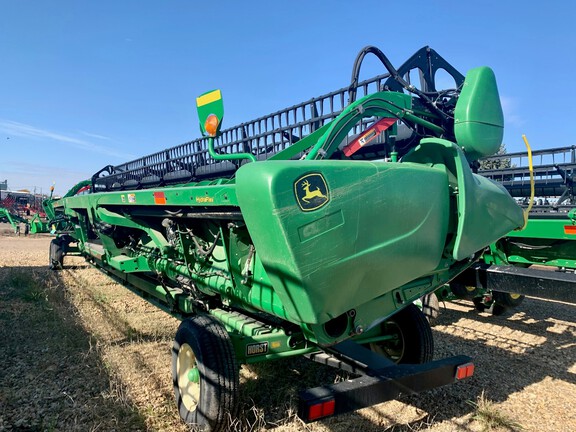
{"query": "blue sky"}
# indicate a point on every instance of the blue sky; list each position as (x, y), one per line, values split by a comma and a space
(84, 84)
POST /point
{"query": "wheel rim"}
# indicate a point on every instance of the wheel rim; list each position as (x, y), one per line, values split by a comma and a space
(188, 377)
(393, 348)
(514, 296)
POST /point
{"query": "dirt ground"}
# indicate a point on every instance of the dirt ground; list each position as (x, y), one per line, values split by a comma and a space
(81, 353)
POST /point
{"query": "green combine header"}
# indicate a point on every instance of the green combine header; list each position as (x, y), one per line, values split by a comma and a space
(310, 231)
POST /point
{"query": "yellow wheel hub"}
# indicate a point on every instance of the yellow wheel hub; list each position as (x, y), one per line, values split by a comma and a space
(188, 377)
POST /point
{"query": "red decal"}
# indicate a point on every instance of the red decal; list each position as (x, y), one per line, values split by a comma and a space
(570, 229)
(370, 133)
(159, 198)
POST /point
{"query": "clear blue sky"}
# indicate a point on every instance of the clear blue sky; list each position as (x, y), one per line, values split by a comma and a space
(84, 84)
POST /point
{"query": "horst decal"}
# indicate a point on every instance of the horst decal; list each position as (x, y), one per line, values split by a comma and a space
(257, 348)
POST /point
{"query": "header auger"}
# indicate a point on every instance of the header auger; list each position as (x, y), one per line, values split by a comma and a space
(305, 232)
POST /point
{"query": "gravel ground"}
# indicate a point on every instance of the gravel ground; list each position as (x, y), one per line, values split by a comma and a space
(81, 353)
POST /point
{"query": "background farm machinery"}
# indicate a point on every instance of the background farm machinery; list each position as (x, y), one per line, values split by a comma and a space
(539, 260)
(36, 224)
(23, 208)
(13, 219)
(310, 231)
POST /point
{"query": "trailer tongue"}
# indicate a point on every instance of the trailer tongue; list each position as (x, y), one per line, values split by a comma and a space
(306, 232)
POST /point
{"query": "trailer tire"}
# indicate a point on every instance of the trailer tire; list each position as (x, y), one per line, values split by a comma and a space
(414, 343)
(466, 292)
(56, 261)
(507, 299)
(431, 307)
(205, 374)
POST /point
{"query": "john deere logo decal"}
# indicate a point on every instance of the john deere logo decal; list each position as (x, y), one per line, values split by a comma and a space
(311, 192)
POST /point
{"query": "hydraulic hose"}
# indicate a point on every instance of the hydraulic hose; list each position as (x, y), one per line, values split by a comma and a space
(531, 168)
(394, 73)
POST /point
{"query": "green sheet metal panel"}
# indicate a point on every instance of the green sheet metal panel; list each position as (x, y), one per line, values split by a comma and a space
(550, 242)
(485, 210)
(335, 234)
(478, 117)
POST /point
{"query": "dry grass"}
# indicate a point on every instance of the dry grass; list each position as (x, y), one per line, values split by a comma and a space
(52, 379)
(491, 418)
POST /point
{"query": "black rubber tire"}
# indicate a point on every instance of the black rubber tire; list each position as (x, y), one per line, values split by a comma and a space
(56, 259)
(463, 291)
(507, 299)
(414, 343)
(430, 307)
(202, 343)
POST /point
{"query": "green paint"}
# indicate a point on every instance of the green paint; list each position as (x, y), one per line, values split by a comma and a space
(478, 117)
(194, 375)
(542, 242)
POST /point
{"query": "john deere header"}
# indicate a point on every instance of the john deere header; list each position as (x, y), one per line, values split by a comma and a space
(294, 232)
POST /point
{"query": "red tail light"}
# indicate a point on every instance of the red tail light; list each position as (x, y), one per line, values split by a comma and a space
(464, 371)
(321, 409)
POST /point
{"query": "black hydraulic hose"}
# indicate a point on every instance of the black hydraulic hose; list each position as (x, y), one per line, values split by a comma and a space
(358, 63)
(393, 72)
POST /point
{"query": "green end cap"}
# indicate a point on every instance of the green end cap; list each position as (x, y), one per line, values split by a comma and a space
(478, 117)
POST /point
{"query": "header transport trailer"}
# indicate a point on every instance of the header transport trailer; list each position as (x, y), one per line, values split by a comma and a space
(309, 231)
(539, 261)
